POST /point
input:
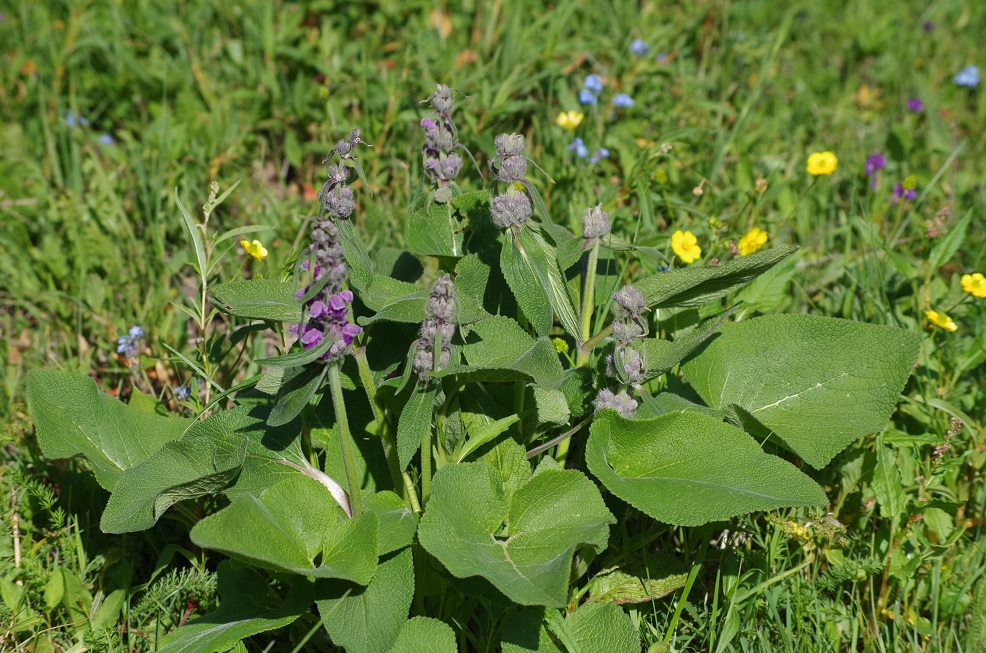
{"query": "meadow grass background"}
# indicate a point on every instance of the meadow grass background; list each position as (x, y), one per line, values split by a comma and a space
(107, 107)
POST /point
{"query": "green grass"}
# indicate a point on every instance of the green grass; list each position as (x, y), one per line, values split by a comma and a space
(92, 242)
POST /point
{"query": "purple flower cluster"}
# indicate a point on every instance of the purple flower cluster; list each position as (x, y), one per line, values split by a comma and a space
(437, 330)
(874, 164)
(622, 403)
(900, 192)
(328, 305)
(915, 105)
(442, 162)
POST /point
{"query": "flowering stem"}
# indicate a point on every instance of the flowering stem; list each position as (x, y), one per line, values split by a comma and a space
(588, 295)
(345, 440)
(403, 485)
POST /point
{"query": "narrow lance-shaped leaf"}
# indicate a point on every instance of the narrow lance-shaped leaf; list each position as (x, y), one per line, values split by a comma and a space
(544, 264)
(415, 421)
(527, 289)
(689, 469)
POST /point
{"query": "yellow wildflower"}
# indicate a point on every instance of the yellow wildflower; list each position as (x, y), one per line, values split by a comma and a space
(941, 320)
(685, 245)
(560, 345)
(822, 163)
(569, 119)
(255, 249)
(752, 241)
(974, 284)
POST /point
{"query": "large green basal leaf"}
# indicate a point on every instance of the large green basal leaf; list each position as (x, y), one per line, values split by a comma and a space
(694, 286)
(294, 526)
(73, 417)
(425, 635)
(592, 628)
(203, 462)
(523, 544)
(369, 619)
(690, 469)
(258, 299)
(818, 383)
(247, 607)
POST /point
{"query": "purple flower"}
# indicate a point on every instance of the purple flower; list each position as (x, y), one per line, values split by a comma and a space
(639, 47)
(181, 392)
(579, 148)
(928, 26)
(593, 83)
(874, 163)
(586, 97)
(968, 76)
(900, 191)
(623, 101)
(915, 105)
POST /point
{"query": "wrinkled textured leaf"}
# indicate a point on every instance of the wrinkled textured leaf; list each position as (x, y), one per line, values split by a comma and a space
(415, 421)
(603, 627)
(291, 527)
(396, 524)
(434, 231)
(621, 588)
(523, 543)
(409, 307)
(499, 342)
(524, 631)
(425, 635)
(818, 383)
(887, 484)
(73, 417)
(247, 607)
(203, 462)
(295, 393)
(662, 355)
(544, 263)
(689, 469)
(369, 619)
(357, 260)
(694, 286)
(527, 289)
(258, 299)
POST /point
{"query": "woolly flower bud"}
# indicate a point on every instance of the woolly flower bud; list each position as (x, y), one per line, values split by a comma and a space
(626, 332)
(508, 145)
(441, 302)
(628, 302)
(633, 365)
(441, 100)
(511, 209)
(623, 404)
(339, 203)
(347, 145)
(595, 222)
(513, 168)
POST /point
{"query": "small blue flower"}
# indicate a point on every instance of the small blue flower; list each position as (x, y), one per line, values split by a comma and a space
(623, 100)
(661, 57)
(72, 120)
(181, 392)
(130, 344)
(579, 148)
(136, 332)
(593, 83)
(106, 139)
(639, 47)
(968, 76)
(598, 155)
(586, 96)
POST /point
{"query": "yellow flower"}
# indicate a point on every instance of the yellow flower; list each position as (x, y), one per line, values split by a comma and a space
(560, 345)
(752, 241)
(569, 119)
(941, 320)
(255, 249)
(822, 163)
(974, 284)
(685, 245)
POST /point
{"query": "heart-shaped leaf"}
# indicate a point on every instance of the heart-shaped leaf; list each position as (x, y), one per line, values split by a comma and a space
(425, 635)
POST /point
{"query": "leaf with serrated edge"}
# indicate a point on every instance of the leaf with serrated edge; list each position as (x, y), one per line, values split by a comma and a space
(690, 469)
(368, 620)
(531, 296)
(545, 520)
(415, 421)
(425, 635)
(291, 526)
(259, 299)
(499, 342)
(73, 417)
(818, 383)
(544, 263)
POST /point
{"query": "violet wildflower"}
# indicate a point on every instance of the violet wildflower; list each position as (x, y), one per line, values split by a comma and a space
(437, 330)
(622, 403)
(905, 190)
(622, 100)
(928, 26)
(593, 83)
(915, 105)
(579, 148)
(586, 97)
(442, 162)
(639, 47)
(874, 164)
(968, 77)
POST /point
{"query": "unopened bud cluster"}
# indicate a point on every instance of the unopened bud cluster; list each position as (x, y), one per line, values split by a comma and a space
(622, 403)
(442, 162)
(437, 330)
(595, 222)
(513, 207)
(629, 327)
